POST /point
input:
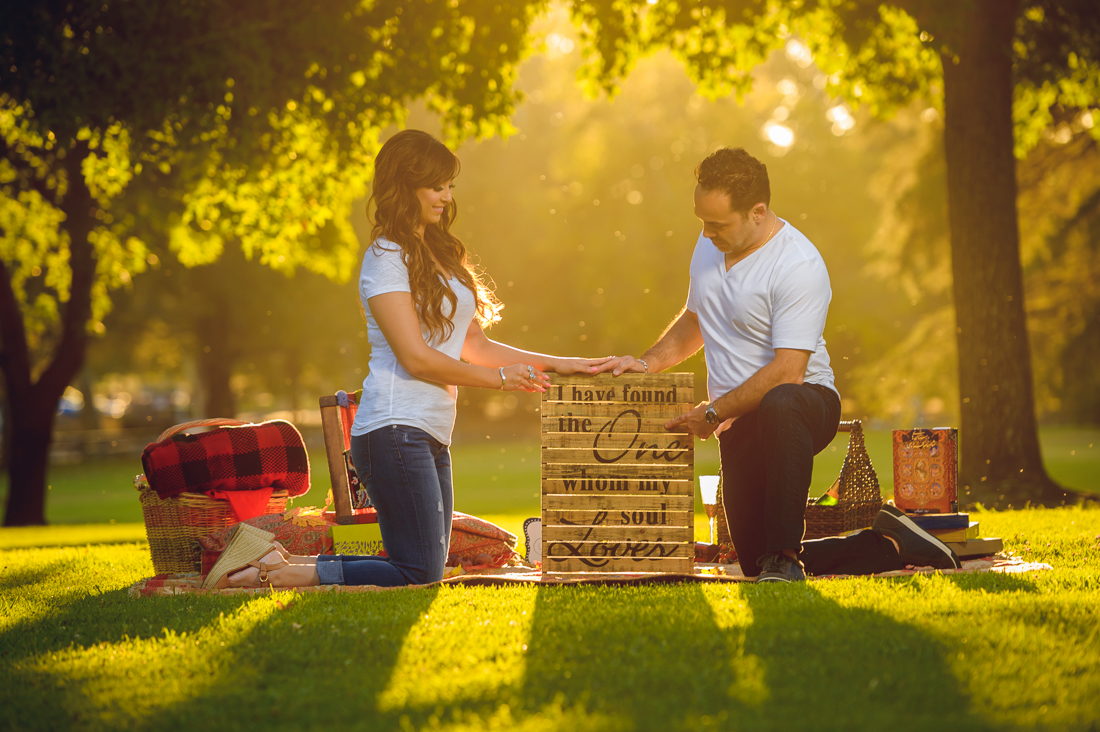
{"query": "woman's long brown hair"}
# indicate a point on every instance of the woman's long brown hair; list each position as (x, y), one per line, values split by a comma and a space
(409, 160)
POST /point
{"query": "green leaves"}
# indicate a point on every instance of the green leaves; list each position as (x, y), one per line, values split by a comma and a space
(880, 55)
(207, 122)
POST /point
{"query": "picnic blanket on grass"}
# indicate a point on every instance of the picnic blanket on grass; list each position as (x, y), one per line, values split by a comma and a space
(191, 583)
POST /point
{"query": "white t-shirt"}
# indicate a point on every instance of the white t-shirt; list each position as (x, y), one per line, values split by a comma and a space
(777, 297)
(390, 394)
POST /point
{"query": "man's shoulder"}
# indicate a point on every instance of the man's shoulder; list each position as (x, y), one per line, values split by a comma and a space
(796, 249)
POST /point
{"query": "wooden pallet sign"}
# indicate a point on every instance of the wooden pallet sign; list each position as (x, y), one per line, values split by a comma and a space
(617, 488)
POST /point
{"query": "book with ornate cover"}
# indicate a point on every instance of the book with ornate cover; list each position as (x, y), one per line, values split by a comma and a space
(925, 470)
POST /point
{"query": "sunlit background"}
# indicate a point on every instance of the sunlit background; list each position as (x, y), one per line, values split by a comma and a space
(583, 219)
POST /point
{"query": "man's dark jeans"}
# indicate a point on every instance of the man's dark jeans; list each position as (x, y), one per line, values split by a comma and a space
(407, 474)
(767, 462)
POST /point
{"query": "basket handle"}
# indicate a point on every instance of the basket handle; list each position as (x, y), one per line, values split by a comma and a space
(213, 422)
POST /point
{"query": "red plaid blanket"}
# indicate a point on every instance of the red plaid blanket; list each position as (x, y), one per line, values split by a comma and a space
(249, 457)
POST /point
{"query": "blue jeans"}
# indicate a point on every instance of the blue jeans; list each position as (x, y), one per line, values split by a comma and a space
(407, 474)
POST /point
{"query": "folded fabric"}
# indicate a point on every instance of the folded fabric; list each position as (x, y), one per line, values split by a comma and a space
(245, 504)
(242, 458)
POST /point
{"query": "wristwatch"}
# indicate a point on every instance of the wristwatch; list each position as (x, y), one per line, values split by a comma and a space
(712, 416)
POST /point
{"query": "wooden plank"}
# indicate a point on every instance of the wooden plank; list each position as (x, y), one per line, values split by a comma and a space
(618, 549)
(333, 431)
(609, 441)
(618, 503)
(647, 425)
(609, 411)
(619, 487)
(614, 534)
(568, 471)
(640, 456)
(609, 518)
(612, 517)
(673, 378)
(607, 461)
(681, 565)
(626, 548)
(621, 393)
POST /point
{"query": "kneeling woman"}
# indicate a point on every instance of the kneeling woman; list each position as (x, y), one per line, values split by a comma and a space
(425, 308)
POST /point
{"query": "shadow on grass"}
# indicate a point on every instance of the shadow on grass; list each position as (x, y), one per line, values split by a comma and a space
(11, 578)
(680, 657)
(845, 667)
(298, 658)
(993, 582)
(631, 658)
(321, 661)
(663, 658)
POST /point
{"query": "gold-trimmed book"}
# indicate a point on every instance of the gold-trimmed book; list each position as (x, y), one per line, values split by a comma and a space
(983, 547)
(960, 535)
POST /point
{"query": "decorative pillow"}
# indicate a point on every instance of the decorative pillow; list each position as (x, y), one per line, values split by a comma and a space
(479, 544)
(300, 531)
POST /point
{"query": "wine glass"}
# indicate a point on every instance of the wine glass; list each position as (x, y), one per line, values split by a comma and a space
(708, 489)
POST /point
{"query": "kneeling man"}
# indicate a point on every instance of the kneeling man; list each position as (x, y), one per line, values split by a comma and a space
(757, 303)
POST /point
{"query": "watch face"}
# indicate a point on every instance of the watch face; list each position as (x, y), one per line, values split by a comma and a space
(712, 416)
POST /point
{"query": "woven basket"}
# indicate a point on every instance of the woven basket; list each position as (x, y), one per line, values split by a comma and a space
(175, 525)
(859, 498)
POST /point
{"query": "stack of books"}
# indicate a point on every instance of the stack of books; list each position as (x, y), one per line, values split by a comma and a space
(958, 532)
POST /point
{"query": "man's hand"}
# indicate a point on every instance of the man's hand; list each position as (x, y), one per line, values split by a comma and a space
(696, 422)
(624, 365)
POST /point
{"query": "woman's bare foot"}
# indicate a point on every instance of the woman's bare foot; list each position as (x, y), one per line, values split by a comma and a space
(296, 575)
(293, 558)
(288, 575)
(255, 574)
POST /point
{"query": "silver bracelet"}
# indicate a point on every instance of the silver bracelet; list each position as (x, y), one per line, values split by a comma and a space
(644, 364)
(502, 378)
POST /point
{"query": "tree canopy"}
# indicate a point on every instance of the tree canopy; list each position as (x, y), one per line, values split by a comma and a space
(1002, 71)
(133, 131)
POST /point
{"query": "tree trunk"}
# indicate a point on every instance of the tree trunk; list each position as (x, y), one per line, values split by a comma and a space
(214, 333)
(32, 405)
(31, 435)
(1000, 462)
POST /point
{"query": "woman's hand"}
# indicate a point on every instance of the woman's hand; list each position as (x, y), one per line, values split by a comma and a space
(523, 377)
(586, 366)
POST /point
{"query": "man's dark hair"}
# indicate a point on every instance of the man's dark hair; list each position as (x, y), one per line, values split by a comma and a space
(737, 174)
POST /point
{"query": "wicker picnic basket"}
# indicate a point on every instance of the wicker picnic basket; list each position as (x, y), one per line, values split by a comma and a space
(859, 499)
(175, 525)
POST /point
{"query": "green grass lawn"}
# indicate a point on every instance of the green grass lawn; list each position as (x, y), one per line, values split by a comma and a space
(968, 652)
(999, 652)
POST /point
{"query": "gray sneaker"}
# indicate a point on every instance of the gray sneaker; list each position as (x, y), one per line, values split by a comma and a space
(778, 567)
(915, 545)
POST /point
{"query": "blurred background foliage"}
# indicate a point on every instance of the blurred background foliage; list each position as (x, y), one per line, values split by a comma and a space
(583, 218)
